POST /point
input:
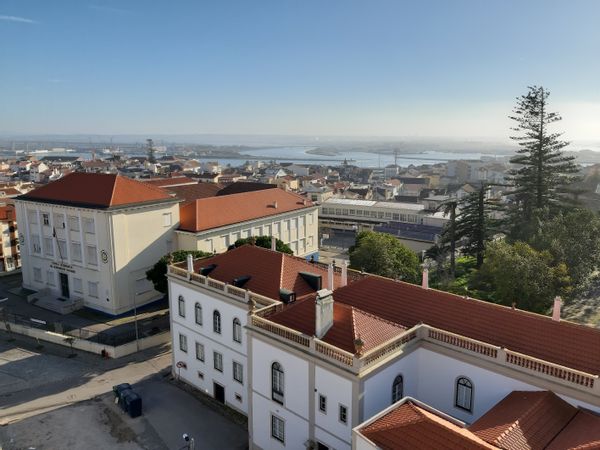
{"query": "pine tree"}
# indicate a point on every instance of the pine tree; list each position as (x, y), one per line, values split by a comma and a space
(448, 237)
(543, 174)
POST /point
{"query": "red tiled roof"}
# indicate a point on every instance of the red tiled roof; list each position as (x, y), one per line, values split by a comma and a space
(269, 271)
(524, 420)
(97, 191)
(564, 343)
(9, 192)
(191, 192)
(172, 181)
(410, 427)
(582, 433)
(214, 212)
(348, 324)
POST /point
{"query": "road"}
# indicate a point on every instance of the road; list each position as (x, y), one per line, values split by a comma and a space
(48, 399)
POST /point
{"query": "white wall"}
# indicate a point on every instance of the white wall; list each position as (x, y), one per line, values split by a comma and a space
(204, 334)
(338, 390)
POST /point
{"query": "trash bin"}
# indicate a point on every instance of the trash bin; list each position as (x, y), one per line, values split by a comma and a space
(133, 403)
(119, 388)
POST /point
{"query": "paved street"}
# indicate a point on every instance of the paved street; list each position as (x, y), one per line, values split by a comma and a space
(48, 400)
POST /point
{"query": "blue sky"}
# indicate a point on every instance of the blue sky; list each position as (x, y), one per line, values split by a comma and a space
(422, 68)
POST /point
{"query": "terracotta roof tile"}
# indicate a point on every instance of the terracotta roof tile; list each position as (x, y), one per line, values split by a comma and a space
(564, 343)
(270, 271)
(410, 427)
(582, 433)
(192, 192)
(96, 191)
(214, 212)
(524, 420)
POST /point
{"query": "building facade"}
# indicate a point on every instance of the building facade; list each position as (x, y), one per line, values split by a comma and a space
(10, 258)
(88, 240)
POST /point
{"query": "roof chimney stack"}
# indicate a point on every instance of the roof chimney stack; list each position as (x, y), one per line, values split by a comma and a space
(330, 277)
(275, 204)
(556, 308)
(273, 243)
(425, 282)
(323, 312)
(190, 263)
(344, 273)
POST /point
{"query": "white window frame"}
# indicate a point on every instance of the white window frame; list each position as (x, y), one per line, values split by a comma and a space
(237, 330)
(218, 361)
(238, 372)
(183, 343)
(181, 306)
(200, 351)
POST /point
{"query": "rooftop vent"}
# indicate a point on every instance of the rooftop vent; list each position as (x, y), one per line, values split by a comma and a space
(287, 296)
(208, 269)
(314, 281)
(241, 281)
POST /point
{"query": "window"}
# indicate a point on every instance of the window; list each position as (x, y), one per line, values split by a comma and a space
(76, 251)
(183, 342)
(218, 361)
(397, 388)
(464, 394)
(37, 274)
(181, 306)
(199, 351)
(237, 330)
(59, 221)
(51, 278)
(277, 380)
(77, 285)
(88, 225)
(93, 289)
(343, 414)
(91, 255)
(310, 219)
(35, 242)
(238, 372)
(32, 215)
(167, 220)
(396, 217)
(74, 223)
(216, 321)
(322, 403)
(278, 428)
(46, 219)
(48, 246)
(198, 313)
(62, 248)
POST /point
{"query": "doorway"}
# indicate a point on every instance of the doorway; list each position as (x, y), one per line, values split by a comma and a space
(64, 285)
(219, 393)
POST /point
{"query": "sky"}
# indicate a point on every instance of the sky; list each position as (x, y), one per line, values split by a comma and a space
(420, 68)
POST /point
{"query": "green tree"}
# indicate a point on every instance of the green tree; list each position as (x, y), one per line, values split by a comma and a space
(573, 238)
(448, 238)
(158, 273)
(517, 273)
(264, 241)
(383, 254)
(543, 173)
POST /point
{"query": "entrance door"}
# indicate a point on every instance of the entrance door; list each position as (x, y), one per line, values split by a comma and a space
(64, 285)
(219, 393)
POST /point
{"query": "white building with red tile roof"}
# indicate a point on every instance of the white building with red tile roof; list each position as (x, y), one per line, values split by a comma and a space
(323, 350)
(88, 239)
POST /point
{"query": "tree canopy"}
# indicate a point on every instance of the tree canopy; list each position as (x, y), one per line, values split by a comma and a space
(158, 273)
(383, 254)
(265, 242)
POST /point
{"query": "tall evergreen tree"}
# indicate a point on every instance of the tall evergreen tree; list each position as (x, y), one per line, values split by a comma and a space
(543, 173)
(448, 241)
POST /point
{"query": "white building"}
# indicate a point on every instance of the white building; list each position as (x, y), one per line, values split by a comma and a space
(213, 224)
(319, 366)
(88, 239)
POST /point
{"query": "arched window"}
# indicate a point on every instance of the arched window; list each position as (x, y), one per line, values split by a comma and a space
(198, 313)
(217, 321)
(464, 394)
(181, 306)
(277, 382)
(237, 330)
(397, 388)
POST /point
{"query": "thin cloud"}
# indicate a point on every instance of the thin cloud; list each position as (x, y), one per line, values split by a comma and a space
(16, 19)
(110, 9)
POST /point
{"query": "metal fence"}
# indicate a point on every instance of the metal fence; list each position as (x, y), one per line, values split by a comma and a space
(117, 335)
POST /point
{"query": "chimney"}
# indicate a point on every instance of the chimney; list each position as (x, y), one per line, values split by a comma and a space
(556, 308)
(344, 273)
(323, 312)
(275, 204)
(425, 282)
(273, 243)
(330, 277)
(190, 263)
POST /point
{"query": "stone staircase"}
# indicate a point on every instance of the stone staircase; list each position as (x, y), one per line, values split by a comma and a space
(44, 298)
